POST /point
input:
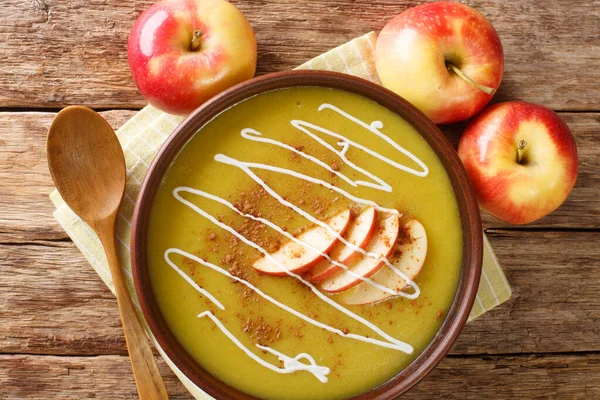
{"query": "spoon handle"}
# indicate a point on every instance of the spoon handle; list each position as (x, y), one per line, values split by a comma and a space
(147, 377)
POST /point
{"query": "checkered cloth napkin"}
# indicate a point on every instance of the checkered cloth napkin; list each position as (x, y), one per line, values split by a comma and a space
(143, 135)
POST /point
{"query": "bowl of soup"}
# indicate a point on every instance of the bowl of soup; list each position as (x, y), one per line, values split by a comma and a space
(306, 235)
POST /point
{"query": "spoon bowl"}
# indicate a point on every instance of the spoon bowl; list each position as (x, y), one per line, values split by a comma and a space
(86, 163)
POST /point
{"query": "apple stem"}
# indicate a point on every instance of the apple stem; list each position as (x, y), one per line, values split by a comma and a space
(521, 150)
(483, 88)
(196, 36)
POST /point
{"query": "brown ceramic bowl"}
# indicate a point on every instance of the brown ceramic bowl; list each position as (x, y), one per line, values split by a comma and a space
(469, 213)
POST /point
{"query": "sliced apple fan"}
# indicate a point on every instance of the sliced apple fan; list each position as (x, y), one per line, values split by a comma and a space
(403, 244)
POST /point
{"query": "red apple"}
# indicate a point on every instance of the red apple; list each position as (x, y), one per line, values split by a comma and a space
(298, 258)
(183, 52)
(445, 58)
(522, 160)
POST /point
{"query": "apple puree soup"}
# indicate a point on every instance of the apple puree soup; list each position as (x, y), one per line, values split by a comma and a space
(305, 244)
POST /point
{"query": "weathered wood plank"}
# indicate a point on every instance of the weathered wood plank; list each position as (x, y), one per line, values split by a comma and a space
(521, 377)
(101, 377)
(25, 182)
(555, 306)
(52, 302)
(54, 53)
(492, 377)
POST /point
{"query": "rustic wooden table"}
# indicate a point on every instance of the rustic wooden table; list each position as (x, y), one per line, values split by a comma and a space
(60, 335)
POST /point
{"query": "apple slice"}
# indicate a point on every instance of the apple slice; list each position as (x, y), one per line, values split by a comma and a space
(298, 258)
(383, 243)
(359, 233)
(409, 257)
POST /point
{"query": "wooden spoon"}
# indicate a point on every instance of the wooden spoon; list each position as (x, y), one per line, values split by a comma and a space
(88, 169)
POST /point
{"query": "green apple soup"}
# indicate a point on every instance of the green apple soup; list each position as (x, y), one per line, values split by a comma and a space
(305, 244)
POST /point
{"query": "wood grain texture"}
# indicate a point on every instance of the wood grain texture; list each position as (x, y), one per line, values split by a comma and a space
(490, 377)
(571, 377)
(100, 377)
(61, 52)
(25, 181)
(52, 301)
(554, 307)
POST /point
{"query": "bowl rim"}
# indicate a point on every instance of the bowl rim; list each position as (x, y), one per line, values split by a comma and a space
(469, 213)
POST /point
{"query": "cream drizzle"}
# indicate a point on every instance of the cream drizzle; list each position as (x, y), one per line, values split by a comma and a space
(374, 127)
(246, 167)
(256, 136)
(345, 143)
(284, 233)
(289, 364)
(294, 364)
(392, 343)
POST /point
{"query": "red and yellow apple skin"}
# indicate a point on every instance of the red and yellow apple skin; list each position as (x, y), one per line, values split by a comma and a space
(525, 191)
(414, 49)
(172, 76)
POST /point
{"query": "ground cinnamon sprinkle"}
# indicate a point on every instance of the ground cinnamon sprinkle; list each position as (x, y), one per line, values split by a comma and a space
(298, 252)
(396, 255)
(274, 246)
(336, 364)
(296, 330)
(386, 240)
(260, 331)
(319, 206)
(403, 234)
(189, 262)
(235, 262)
(235, 269)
